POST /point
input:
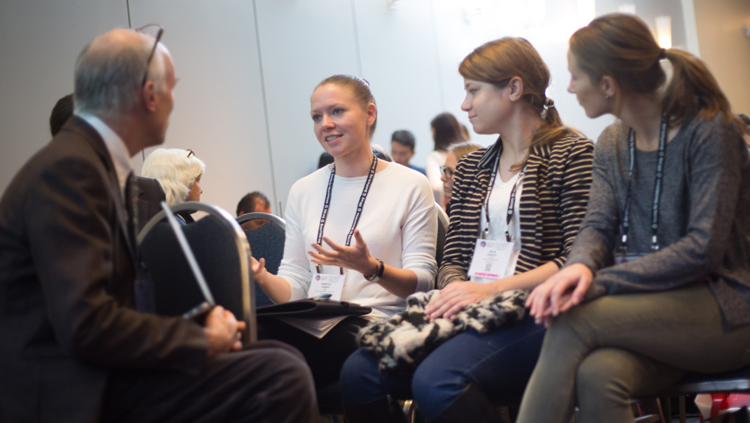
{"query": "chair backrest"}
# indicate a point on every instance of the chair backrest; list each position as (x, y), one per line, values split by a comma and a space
(443, 222)
(276, 220)
(267, 242)
(222, 251)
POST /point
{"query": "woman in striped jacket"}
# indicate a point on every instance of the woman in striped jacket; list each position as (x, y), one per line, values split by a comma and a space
(495, 243)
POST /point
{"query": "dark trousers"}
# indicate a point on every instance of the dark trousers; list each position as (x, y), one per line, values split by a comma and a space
(265, 382)
(326, 355)
(499, 363)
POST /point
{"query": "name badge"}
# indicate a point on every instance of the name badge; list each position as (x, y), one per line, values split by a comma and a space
(490, 260)
(624, 258)
(326, 284)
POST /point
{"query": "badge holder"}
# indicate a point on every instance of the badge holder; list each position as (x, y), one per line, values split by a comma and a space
(491, 258)
(326, 285)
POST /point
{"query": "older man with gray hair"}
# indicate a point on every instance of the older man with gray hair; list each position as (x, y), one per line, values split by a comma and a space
(72, 346)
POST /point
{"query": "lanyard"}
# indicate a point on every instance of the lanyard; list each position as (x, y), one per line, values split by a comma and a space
(357, 215)
(511, 201)
(657, 187)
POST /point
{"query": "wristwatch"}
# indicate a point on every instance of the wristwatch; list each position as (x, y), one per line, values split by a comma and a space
(378, 273)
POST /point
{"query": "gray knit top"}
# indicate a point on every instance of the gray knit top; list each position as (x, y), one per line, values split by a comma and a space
(704, 223)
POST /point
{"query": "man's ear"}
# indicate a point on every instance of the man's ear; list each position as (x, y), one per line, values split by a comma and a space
(516, 88)
(148, 96)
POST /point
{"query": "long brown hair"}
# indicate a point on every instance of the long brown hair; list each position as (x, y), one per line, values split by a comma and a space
(622, 46)
(497, 62)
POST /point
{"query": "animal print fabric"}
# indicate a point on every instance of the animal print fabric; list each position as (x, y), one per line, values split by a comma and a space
(402, 341)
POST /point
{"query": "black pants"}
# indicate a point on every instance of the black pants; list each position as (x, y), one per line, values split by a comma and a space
(326, 355)
(265, 382)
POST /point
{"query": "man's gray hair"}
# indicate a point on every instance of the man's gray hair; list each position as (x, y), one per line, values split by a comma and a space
(108, 81)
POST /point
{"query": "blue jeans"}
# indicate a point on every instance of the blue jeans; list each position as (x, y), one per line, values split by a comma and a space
(499, 363)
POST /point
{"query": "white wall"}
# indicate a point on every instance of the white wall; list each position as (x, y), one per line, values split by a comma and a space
(725, 48)
(219, 111)
(39, 43)
(247, 70)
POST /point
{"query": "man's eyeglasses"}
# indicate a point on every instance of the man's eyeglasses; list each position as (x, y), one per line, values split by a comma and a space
(146, 30)
(447, 171)
(190, 153)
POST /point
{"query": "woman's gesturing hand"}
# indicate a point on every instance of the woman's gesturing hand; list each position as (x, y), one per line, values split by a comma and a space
(259, 269)
(560, 292)
(356, 257)
(454, 297)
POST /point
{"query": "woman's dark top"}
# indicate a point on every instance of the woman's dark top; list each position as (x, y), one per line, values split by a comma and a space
(704, 216)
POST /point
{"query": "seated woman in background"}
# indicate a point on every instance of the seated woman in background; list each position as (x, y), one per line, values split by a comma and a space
(396, 217)
(445, 131)
(455, 153)
(527, 194)
(179, 172)
(665, 240)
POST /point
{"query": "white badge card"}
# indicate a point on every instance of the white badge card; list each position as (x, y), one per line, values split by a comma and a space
(326, 284)
(491, 259)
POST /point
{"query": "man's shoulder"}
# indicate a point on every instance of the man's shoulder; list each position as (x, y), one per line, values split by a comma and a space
(68, 153)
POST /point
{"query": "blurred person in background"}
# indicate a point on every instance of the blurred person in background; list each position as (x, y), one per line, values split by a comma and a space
(402, 149)
(179, 172)
(455, 153)
(445, 131)
(251, 203)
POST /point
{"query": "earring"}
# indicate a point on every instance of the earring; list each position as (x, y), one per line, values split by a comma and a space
(606, 96)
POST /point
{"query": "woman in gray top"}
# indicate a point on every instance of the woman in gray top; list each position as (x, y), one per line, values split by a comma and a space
(658, 280)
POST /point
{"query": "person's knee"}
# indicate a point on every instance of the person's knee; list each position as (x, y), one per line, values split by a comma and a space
(277, 345)
(429, 386)
(356, 369)
(601, 378)
(292, 364)
(360, 379)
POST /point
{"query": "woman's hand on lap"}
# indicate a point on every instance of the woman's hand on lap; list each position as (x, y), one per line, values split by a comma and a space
(560, 292)
(454, 297)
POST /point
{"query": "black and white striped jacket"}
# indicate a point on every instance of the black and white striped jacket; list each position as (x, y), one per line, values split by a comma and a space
(552, 205)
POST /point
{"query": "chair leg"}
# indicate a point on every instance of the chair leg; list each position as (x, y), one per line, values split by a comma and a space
(668, 417)
(683, 417)
(410, 410)
(659, 409)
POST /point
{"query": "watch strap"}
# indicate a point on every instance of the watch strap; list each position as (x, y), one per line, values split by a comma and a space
(374, 277)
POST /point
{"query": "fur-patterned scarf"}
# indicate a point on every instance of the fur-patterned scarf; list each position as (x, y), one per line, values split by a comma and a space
(401, 342)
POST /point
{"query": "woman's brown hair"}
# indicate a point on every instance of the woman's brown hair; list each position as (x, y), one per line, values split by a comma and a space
(497, 62)
(361, 89)
(622, 46)
(447, 131)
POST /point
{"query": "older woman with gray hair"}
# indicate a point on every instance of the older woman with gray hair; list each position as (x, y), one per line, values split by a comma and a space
(179, 172)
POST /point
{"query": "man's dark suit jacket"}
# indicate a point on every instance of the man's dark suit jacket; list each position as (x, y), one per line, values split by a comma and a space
(66, 288)
(150, 196)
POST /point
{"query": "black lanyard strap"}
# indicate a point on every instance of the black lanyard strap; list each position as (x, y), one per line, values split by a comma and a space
(511, 201)
(657, 187)
(357, 215)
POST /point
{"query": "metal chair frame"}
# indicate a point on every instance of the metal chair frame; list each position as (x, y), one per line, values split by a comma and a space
(276, 220)
(243, 250)
(695, 383)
